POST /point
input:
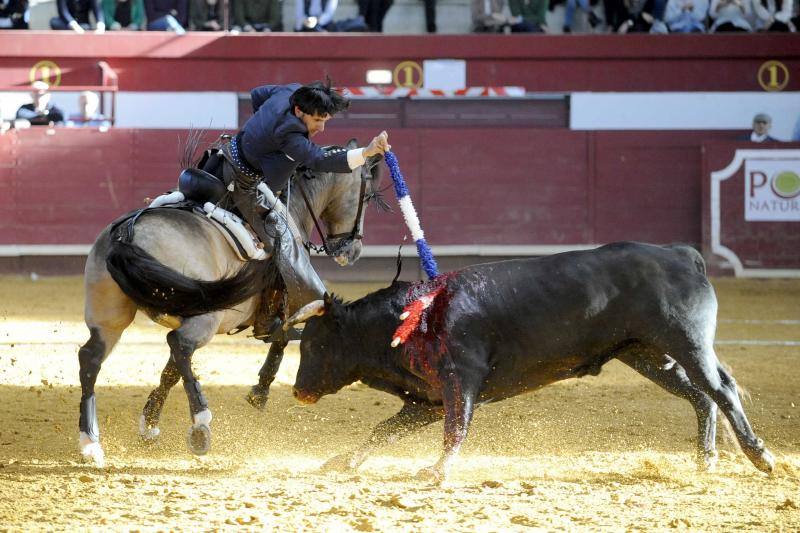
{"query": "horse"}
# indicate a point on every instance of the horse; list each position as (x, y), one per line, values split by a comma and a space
(177, 255)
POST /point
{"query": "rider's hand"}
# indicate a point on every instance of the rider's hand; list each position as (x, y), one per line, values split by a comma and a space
(379, 145)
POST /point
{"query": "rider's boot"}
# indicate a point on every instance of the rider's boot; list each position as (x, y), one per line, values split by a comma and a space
(269, 316)
(275, 227)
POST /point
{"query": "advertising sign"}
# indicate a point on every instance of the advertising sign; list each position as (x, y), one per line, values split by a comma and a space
(772, 189)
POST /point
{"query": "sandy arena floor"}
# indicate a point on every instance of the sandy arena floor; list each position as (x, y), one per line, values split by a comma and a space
(612, 452)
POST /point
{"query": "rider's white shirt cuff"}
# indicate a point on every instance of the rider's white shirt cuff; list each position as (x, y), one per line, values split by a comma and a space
(355, 158)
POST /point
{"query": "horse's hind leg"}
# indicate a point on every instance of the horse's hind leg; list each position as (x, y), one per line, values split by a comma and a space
(194, 333)
(151, 414)
(665, 372)
(108, 312)
(257, 397)
(707, 374)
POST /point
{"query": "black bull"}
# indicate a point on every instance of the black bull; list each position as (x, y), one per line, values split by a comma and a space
(500, 329)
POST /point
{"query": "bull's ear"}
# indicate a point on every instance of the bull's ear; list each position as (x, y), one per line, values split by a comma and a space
(351, 144)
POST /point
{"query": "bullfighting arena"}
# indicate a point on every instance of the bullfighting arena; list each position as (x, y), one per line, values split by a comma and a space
(612, 452)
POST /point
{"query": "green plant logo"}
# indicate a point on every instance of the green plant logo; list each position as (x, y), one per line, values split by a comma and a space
(786, 184)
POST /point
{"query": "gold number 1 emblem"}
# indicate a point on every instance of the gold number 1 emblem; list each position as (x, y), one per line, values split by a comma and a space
(773, 76)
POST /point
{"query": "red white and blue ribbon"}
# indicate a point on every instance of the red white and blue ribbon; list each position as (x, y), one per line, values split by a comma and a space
(410, 215)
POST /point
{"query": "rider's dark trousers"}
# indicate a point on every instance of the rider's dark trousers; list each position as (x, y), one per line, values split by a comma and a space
(270, 219)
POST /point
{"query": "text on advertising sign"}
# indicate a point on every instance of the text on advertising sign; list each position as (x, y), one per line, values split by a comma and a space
(772, 189)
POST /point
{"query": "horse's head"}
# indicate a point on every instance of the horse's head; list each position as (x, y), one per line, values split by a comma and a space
(344, 212)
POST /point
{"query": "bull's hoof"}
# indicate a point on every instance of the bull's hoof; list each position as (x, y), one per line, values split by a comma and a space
(432, 474)
(257, 397)
(199, 439)
(338, 463)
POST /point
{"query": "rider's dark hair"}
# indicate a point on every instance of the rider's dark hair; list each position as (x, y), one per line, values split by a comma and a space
(319, 98)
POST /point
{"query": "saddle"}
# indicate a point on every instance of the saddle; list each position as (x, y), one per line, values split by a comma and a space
(204, 192)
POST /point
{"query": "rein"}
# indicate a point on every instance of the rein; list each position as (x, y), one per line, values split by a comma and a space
(344, 239)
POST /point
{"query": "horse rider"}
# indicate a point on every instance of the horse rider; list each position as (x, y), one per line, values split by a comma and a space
(268, 149)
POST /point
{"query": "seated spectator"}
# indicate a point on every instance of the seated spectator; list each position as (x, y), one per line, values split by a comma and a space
(88, 112)
(123, 14)
(761, 126)
(730, 15)
(530, 14)
(686, 16)
(773, 15)
(644, 16)
(373, 12)
(14, 14)
(257, 15)
(41, 112)
(492, 16)
(205, 15)
(312, 15)
(74, 15)
(167, 15)
(569, 14)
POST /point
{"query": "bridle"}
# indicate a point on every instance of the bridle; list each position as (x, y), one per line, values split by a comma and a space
(333, 245)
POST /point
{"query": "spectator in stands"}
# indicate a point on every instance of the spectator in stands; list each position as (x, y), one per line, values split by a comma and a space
(315, 15)
(430, 16)
(530, 15)
(14, 14)
(569, 14)
(205, 15)
(773, 15)
(761, 126)
(644, 16)
(74, 15)
(123, 14)
(686, 16)
(493, 16)
(257, 15)
(41, 112)
(615, 13)
(374, 11)
(730, 15)
(88, 112)
(167, 15)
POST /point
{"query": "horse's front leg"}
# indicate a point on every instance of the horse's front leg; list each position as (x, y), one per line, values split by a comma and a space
(194, 333)
(259, 393)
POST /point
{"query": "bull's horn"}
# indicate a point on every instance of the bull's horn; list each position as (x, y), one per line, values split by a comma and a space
(315, 308)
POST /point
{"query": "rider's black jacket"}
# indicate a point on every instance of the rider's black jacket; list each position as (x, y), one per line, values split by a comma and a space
(275, 141)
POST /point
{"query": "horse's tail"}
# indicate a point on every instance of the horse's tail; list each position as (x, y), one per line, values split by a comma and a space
(151, 284)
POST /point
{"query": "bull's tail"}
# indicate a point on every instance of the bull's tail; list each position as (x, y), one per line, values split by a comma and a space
(153, 285)
(691, 254)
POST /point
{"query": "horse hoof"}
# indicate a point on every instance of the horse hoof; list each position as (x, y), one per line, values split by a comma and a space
(257, 397)
(765, 461)
(199, 439)
(707, 461)
(148, 434)
(432, 474)
(338, 463)
(91, 451)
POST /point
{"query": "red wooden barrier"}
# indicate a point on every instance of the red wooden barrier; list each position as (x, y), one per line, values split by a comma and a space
(501, 186)
(156, 61)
